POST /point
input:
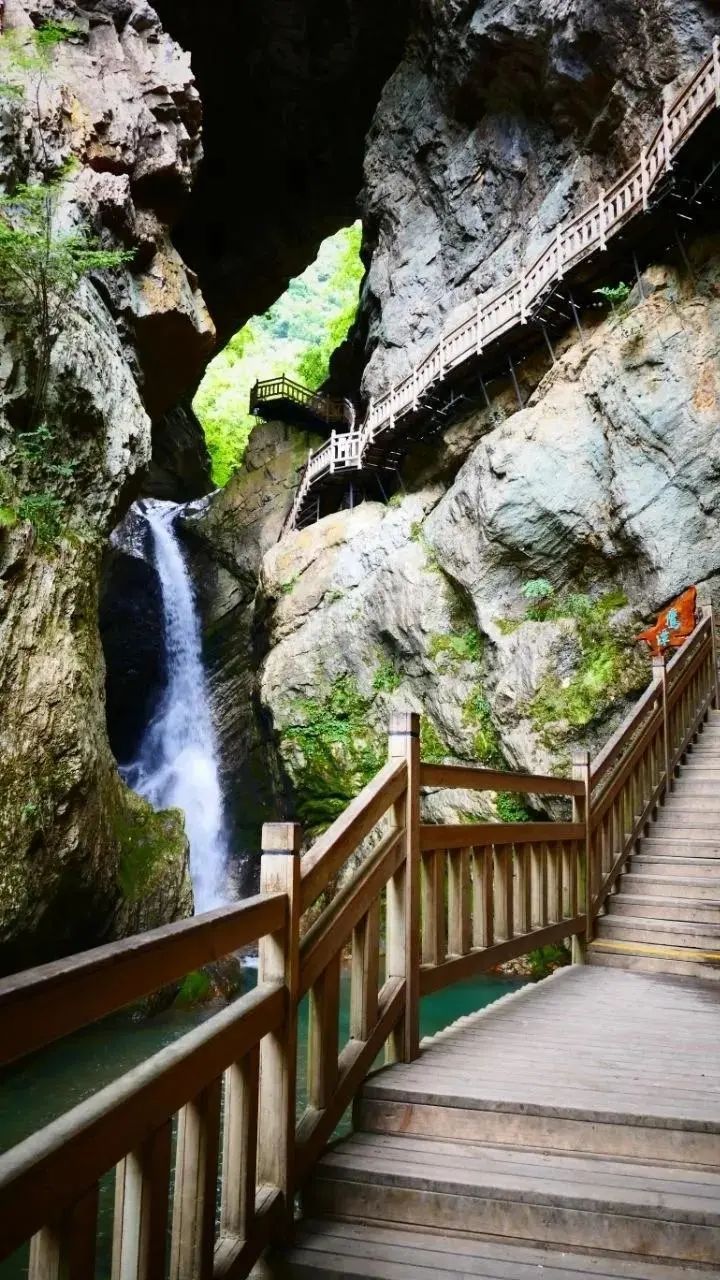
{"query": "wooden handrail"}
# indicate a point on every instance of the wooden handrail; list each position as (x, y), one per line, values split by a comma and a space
(495, 315)
(456, 900)
(41, 1005)
(329, 852)
(48, 1172)
(471, 778)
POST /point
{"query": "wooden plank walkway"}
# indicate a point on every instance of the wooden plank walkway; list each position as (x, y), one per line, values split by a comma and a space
(571, 1129)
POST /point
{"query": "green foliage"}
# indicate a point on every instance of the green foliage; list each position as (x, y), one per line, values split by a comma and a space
(510, 807)
(148, 840)
(26, 55)
(45, 513)
(477, 716)
(8, 517)
(545, 960)
(432, 748)
(537, 589)
(387, 678)
(465, 646)
(195, 988)
(40, 269)
(296, 337)
(614, 294)
(335, 752)
(611, 667)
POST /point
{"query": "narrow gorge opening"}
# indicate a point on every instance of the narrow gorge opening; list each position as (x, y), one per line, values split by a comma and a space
(159, 635)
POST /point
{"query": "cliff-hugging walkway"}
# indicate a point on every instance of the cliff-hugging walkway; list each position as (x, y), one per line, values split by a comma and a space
(491, 320)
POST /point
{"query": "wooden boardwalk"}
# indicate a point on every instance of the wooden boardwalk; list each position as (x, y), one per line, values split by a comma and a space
(572, 1129)
(555, 1134)
(505, 316)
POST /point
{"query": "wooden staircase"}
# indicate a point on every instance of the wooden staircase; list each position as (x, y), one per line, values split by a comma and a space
(562, 1132)
(665, 915)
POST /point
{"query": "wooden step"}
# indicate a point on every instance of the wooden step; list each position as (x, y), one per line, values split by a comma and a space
(564, 1125)
(676, 824)
(642, 958)
(339, 1250)
(687, 786)
(669, 933)
(546, 1197)
(680, 885)
(675, 865)
(664, 908)
(682, 846)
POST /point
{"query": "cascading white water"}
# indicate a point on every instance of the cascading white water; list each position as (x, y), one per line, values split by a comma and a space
(177, 764)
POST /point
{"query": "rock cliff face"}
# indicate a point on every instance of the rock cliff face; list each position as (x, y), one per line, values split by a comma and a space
(501, 594)
(502, 119)
(81, 859)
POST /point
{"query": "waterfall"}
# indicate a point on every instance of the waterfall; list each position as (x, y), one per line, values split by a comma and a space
(177, 765)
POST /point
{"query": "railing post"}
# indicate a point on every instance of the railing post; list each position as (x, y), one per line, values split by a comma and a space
(659, 666)
(601, 218)
(403, 954)
(709, 612)
(667, 136)
(582, 813)
(644, 178)
(279, 963)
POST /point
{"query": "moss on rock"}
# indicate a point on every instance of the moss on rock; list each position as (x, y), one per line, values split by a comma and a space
(332, 750)
(611, 667)
(149, 843)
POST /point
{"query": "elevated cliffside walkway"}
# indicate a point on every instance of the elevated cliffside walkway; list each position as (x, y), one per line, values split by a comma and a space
(572, 1127)
(632, 213)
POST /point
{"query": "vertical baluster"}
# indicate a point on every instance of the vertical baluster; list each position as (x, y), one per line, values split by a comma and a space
(65, 1250)
(523, 889)
(458, 902)
(503, 868)
(196, 1161)
(582, 814)
(239, 1163)
(365, 974)
(403, 917)
(323, 1035)
(140, 1220)
(540, 859)
(434, 949)
(483, 905)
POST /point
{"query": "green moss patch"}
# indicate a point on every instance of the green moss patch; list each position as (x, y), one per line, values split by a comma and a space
(611, 667)
(510, 807)
(477, 716)
(457, 646)
(432, 748)
(148, 841)
(334, 752)
(387, 678)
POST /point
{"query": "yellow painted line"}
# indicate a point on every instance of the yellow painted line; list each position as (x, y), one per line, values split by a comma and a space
(665, 953)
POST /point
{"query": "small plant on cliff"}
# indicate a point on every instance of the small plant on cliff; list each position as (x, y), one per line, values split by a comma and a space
(615, 294)
(41, 265)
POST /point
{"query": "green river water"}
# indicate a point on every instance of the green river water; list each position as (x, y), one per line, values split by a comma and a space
(37, 1090)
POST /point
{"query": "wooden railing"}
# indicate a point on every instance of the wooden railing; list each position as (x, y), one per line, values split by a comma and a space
(634, 772)
(492, 316)
(326, 408)
(427, 906)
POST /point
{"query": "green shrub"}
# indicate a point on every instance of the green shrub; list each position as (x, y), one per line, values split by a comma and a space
(387, 678)
(485, 738)
(510, 807)
(432, 748)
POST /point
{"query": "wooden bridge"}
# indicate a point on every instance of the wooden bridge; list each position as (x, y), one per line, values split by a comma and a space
(572, 1127)
(515, 317)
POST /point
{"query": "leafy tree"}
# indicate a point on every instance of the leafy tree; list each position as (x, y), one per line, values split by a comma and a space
(296, 336)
